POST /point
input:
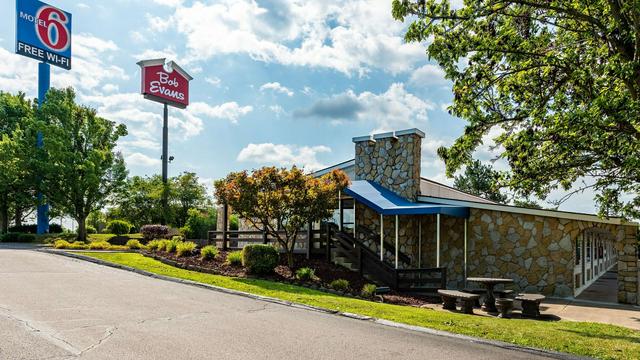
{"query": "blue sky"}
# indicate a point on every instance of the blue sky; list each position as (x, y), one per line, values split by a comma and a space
(276, 82)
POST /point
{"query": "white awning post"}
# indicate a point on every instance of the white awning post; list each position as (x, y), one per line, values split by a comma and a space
(381, 237)
(396, 241)
(340, 210)
(437, 240)
(419, 242)
(465, 252)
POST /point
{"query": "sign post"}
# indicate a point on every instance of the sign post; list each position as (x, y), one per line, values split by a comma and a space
(43, 32)
(166, 83)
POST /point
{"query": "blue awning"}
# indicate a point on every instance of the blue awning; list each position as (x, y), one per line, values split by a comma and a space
(386, 202)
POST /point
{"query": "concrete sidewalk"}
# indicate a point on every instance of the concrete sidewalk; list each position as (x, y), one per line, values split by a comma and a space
(600, 312)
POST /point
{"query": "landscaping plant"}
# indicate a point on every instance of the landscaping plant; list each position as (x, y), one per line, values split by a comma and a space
(340, 285)
(208, 252)
(368, 290)
(154, 245)
(151, 232)
(234, 258)
(134, 244)
(171, 245)
(305, 274)
(281, 201)
(259, 258)
(118, 227)
(185, 248)
(99, 245)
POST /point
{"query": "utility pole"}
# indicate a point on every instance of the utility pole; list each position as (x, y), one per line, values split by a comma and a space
(165, 161)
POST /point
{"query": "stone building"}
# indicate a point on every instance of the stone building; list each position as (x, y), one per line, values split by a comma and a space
(431, 225)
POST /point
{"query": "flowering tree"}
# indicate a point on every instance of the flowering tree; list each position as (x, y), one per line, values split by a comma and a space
(272, 199)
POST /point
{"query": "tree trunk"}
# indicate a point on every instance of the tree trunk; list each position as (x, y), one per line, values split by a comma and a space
(4, 213)
(290, 258)
(82, 228)
(18, 216)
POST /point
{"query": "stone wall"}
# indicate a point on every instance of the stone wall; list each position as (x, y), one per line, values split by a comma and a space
(628, 272)
(391, 160)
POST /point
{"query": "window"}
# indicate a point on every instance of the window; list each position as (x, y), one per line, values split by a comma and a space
(578, 251)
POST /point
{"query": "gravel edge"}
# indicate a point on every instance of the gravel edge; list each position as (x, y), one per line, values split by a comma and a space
(496, 343)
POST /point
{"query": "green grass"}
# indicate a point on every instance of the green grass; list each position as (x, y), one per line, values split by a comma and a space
(106, 237)
(580, 338)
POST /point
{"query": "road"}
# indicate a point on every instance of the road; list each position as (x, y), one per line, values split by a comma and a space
(53, 307)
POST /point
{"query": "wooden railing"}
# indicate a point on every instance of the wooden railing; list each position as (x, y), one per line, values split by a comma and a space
(416, 280)
(310, 242)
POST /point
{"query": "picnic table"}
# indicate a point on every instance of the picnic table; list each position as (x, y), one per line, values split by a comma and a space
(489, 284)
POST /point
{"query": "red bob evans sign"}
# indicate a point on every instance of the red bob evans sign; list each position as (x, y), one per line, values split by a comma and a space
(164, 82)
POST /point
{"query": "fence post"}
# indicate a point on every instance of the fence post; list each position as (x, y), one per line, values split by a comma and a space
(225, 221)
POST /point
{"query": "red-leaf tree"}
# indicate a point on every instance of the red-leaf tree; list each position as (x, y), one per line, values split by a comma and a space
(281, 199)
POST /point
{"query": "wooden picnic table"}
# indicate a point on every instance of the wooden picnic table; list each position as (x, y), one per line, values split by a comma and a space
(489, 284)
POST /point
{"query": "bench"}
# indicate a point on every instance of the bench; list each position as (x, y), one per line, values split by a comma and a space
(482, 292)
(449, 298)
(530, 304)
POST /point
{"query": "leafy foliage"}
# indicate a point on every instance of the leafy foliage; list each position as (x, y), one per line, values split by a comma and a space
(79, 157)
(480, 180)
(134, 244)
(208, 252)
(154, 245)
(272, 199)
(339, 285)
(150, 232)
(259, 258)
(368, 290)
(305, 274)
(185, 248)
(118, 227)
(558, 80)
(234, 258)
(199, 223)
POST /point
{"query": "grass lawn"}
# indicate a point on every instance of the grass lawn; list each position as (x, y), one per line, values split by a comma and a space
(106, 237)
(589, 339)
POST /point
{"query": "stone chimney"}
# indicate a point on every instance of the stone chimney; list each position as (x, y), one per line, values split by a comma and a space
(392, 160)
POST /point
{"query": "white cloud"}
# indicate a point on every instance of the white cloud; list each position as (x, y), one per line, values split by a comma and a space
(172, 3)
(350, 36)
(137, 36)
(276, 87)
(284, 155)
(139, 159)
(83, 6)
(277, 109)
(230, 111)
(166, 53)
(428, 75)
(213, 80)
(394, 109)
(110, 88)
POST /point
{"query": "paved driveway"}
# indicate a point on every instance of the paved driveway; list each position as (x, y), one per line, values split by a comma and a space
(52, 307)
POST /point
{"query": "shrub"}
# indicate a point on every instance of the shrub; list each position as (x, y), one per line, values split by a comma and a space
(171, 245)
(234, 258)
(17, 237)
(91, 230)
(78, 245)
(177, 238)
(33, 229)
(99, 245)
(259, 258)
(134, 244)
(185, 248)
(118, 247)
(368, 290)
(199, 223)
(305, 274)
(339, 285)
(154, 245)
(61, 244)
(208, 252)
(151, 232)
(118, 227)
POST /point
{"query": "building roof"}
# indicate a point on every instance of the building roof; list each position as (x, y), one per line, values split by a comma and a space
(386, 202)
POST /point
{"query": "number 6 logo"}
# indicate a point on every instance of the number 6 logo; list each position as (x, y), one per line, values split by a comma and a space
(51, 28)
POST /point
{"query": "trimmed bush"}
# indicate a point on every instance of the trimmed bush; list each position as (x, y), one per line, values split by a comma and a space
(91, 230)
(99, 245)
(78, 245)
(339, 285)
(208, 252)
(185, 248)
(171, 246)
(134, 244)
(118, 227)
(154, 245)
(368, 290)
(234, 258)
(259, 258)
(61, 244)
(151, 232)
(17, 237)
(305, 274)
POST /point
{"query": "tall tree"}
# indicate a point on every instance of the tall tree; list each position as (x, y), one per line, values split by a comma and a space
(480, 180)
(272, 199)
(140, 201)
(16, 149)
(560, 78)
(187, 193)
(81, 167)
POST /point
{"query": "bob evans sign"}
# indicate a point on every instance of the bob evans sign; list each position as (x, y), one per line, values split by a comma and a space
(43, 32)
(164, 82)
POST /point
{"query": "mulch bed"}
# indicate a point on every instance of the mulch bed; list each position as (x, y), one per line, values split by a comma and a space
(325, 272)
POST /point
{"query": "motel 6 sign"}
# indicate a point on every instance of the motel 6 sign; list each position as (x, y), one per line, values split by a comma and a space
(43, 32)
(166, 83)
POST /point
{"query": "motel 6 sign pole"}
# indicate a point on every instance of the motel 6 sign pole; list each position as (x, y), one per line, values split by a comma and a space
(43, 32)
(166, 83)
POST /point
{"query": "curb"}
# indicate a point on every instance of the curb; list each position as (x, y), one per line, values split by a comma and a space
(424, 330)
